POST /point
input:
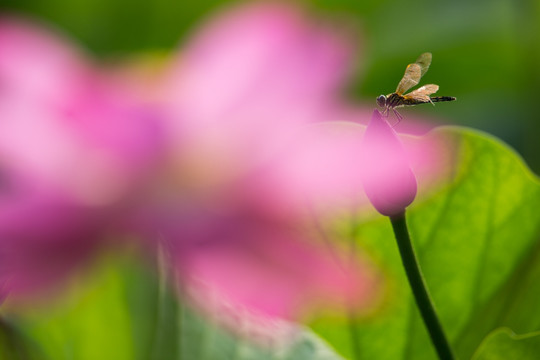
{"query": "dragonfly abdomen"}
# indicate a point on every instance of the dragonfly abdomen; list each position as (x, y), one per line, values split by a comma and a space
(442, 98)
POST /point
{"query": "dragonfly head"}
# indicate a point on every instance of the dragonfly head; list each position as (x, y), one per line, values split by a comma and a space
(381, 100)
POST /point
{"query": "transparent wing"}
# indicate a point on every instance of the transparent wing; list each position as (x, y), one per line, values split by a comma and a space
(414, 72)
(422, 94)
(424, 61)
(412, 76)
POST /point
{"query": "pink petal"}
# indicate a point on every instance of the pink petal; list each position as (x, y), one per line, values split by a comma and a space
(316, 171)
(74, 151)
(62, 122)
(246, 82)
(257, 264)
(264, 52)
(36, 62)
(43, 238)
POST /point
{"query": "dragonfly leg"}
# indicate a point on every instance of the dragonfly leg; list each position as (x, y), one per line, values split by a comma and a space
(398, 116)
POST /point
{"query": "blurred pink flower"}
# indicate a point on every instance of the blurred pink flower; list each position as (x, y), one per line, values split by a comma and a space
(244, 96)
(387, 176)
(73, 150)
(264, 154)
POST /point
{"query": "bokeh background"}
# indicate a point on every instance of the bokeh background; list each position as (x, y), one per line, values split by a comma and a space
(486, 52)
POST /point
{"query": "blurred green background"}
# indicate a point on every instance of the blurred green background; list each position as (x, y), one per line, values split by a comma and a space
(486, 53)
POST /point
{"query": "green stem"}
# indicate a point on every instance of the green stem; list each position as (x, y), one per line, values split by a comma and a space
(354, 331)
(354, 334)
(419, 289)
(167, 340)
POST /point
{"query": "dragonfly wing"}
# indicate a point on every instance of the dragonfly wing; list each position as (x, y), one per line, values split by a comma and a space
(424, 61)
(422, 94)
(412, 76)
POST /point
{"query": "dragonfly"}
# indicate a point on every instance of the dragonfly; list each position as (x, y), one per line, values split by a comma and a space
(422, 95)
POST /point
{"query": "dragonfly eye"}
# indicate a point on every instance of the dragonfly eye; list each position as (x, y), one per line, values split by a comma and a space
(381, 100)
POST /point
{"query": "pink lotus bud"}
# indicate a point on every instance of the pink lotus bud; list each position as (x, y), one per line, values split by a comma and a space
(388, 180)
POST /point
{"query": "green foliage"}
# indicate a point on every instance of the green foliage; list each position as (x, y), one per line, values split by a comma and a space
(114, 28)
(477, 244)
(122, 312)
(93, 321)
(503, 344)
(16, 346)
